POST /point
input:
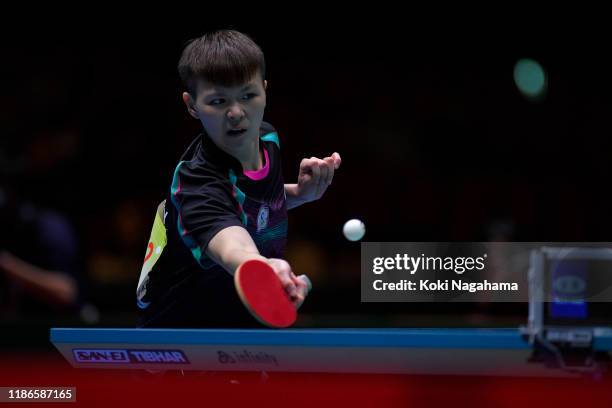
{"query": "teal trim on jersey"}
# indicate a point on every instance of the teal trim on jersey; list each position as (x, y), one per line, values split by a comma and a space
(271, 137)
(193, 247)
(187, 239)
(240, 196)
(174, 189)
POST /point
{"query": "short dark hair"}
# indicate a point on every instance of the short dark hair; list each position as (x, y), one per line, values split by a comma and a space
(225, 57)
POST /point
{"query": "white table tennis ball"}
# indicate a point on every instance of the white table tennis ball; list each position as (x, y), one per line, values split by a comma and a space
(353, 230)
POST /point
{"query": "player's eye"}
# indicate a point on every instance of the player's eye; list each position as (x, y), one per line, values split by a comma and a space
(248, 96)
(217, 101)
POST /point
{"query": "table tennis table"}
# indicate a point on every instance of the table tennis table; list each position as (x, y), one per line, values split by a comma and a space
(504, 352)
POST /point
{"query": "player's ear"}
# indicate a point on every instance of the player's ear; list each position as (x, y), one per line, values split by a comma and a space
(265, 84)
(190, 104)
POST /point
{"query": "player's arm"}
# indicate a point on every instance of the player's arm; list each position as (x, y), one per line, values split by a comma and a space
(293, 199)
(314, 177)
(53, 286)
(233, 246)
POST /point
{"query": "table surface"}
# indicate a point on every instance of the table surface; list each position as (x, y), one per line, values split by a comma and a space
(393, 350)
(506, 338)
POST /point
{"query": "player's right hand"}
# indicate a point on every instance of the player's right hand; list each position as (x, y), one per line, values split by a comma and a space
(295, 288)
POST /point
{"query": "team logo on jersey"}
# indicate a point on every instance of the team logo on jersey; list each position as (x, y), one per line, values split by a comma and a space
(262, 217)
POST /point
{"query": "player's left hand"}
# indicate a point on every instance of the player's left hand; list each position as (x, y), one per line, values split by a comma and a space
(315, 176)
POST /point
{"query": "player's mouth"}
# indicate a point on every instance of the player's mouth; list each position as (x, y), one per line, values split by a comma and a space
(236, 131)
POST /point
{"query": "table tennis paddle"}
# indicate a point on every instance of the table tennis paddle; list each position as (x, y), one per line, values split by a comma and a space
(262, 293)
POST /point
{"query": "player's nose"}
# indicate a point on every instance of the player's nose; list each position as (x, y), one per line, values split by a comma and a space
(235, 113)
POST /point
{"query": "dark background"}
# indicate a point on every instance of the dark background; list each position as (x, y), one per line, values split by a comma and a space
(437, 142)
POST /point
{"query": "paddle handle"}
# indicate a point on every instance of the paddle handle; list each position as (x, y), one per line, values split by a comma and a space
(306, 280)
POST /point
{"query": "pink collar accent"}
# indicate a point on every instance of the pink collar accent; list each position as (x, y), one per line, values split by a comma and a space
(261, 173)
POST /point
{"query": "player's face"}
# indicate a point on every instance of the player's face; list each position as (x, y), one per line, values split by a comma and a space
(231, 116)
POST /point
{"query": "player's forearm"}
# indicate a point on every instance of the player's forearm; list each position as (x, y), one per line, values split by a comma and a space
(231, 247)
(55, 287)
(232, 259)
(293, 199)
